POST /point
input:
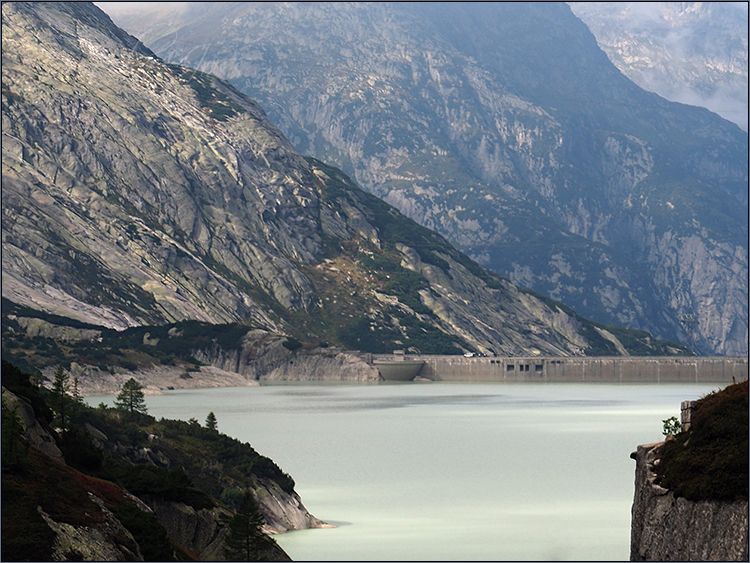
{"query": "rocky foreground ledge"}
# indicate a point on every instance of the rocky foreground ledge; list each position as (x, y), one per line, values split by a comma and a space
(669, 528)
(79, 517)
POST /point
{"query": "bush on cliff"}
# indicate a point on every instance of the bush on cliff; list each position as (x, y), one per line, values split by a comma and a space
(710, 460)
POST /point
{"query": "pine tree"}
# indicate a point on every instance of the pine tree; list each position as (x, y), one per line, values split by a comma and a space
(131, 399)
(76, 394)
(211, 422)
(60, 398)
(246, 540)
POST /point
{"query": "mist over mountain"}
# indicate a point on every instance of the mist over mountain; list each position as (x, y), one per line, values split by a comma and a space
(689, 52)
(139, 192)
(506, 128)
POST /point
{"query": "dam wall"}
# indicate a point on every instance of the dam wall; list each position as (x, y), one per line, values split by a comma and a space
(609, 369)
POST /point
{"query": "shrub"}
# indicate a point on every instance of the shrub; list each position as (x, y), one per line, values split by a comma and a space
(672, 426)
(169, 484)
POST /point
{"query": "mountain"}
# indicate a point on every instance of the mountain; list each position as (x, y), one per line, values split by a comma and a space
(689, 52)
(505, 128)
(138, 192)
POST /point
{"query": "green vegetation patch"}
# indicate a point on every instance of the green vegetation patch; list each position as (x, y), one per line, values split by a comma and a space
(215, 461)
(169, 484)
(710, 460)
(218, 104)
(170, 344)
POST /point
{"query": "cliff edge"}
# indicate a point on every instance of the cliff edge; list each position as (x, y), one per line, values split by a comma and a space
(669, 528)
(691, 491)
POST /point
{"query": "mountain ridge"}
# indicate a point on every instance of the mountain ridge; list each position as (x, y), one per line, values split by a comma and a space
(139, 192)
(505, 128)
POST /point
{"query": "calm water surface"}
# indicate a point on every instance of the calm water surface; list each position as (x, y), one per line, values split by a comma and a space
(449, 471)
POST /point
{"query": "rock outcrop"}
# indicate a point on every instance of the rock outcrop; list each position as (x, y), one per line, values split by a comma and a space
(666, 528)
(85, 522)
(264, 356)
(284, 512)
(105, 541)
(200, 531)
(203, 529)
(153, 379)
(33, 432)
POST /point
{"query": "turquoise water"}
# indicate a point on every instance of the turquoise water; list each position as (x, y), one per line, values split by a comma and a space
(449, 471)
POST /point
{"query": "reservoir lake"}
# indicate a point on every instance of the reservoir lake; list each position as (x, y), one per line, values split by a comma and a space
(449, 471)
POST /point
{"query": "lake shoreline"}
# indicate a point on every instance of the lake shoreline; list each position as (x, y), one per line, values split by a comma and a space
(156, 380)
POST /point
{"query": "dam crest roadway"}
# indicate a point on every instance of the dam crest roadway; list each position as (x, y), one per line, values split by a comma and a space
(605, 369)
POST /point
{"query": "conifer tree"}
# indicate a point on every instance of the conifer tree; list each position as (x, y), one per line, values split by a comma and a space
(76, 394)
(130, 398)
(246, 540)
(211, 422)
(13, 449)
(60, 398)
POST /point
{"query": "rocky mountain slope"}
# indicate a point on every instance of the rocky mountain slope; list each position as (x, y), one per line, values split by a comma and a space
(689, 52)
(504, 127)
(137, 192)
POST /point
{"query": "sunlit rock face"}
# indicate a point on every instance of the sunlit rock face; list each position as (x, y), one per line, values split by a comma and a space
(141, 192)
(504, 127)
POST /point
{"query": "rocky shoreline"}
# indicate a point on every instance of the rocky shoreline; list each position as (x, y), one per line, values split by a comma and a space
(261, 358)
(155, 380)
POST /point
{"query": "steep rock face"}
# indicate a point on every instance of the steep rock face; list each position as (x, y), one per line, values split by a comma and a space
(665, 528)
(139, 192)
(202, 531)
(505, 128)
(33, 432)
(107, 541)
(115, 200)
(264, 356)
(284, 512)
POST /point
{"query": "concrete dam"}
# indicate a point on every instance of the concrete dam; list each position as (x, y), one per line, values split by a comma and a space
(605, 369)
